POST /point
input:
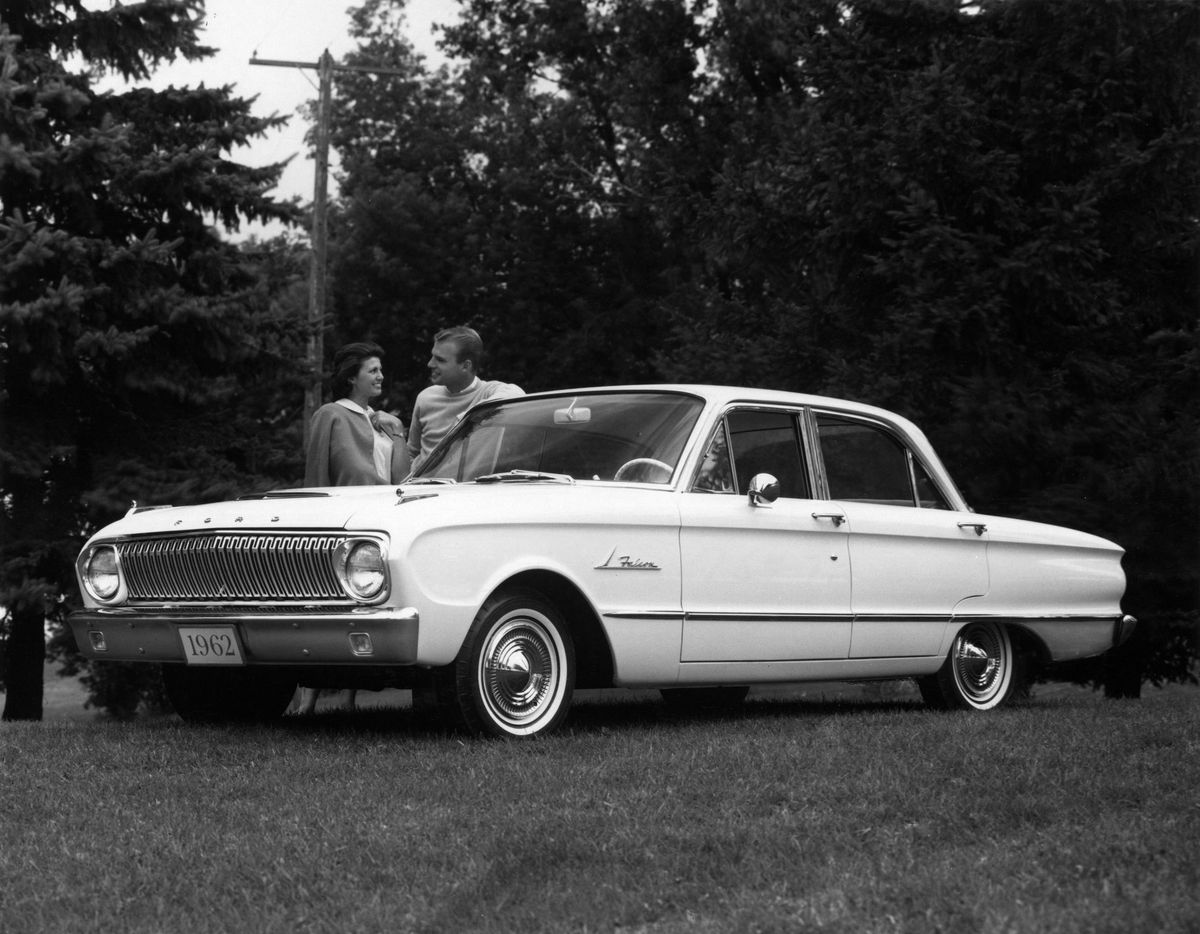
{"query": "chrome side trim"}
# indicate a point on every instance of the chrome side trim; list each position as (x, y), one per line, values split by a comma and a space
(673, 616)
(664, 615)
(768, 617)
(866, 617)
(1031, 618)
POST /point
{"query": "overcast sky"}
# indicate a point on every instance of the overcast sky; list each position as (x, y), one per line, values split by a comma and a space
(288, 30)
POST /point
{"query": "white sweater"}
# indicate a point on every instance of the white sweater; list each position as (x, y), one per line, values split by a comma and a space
(437, 410)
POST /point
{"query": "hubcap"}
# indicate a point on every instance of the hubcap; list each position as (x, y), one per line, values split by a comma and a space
(520, 671)
(980, 663)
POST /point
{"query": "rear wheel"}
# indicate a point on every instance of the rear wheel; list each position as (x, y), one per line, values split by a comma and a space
(224, 695)
(516, 671)
(981, 672)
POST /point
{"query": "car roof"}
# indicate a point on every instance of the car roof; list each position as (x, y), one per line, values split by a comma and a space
(722, 396)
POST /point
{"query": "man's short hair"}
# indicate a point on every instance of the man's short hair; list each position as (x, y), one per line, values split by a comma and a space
(466, 341)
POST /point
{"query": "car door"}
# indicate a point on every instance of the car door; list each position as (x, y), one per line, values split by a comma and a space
(766, 582)
(913, 559)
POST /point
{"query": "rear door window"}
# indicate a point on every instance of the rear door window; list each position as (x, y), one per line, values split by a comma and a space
(865, 463)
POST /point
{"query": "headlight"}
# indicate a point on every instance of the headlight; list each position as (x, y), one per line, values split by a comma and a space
(364, 573)
(102, 573)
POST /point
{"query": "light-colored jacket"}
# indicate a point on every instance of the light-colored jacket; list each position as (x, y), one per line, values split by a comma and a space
(341, 448)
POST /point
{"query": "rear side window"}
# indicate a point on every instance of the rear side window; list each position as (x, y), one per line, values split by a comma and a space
(864, 463)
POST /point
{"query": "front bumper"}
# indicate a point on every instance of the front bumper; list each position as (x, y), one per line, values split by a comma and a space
(300, 637)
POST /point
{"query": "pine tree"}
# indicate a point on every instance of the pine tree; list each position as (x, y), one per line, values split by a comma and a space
(126, 322)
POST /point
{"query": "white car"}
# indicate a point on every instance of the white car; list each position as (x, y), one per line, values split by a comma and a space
(694, 539)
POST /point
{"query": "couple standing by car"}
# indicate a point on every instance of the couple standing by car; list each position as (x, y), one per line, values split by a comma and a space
(351, 444)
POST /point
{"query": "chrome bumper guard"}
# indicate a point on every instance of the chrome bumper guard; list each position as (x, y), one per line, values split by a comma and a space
(1123, 628)
(300, 637)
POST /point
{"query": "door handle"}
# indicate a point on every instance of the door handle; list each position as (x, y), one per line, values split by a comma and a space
(836, 517)
(979, 527)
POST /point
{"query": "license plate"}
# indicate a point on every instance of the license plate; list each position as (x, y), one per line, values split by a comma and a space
(211, 645)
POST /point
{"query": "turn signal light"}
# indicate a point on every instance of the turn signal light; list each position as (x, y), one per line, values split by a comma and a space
(360, 643)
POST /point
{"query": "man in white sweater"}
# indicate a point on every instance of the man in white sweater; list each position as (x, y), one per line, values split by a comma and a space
(456, 386)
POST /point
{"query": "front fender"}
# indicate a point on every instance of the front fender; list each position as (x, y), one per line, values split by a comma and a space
(448, 573)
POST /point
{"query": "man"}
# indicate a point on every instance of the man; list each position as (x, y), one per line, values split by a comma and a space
(456, 386)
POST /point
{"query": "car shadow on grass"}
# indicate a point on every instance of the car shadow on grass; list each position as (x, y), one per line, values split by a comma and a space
(598, 712)
(653, 712)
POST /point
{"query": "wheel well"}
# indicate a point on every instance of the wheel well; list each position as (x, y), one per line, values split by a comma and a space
(593, 655)
(1026, 644)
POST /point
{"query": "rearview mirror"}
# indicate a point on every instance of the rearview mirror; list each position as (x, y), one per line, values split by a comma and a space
(571, 414)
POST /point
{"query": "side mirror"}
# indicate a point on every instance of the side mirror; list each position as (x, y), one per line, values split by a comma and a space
(764, 489)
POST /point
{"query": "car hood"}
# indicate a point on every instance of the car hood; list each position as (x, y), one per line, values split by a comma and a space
(331, 508)
(388, 508)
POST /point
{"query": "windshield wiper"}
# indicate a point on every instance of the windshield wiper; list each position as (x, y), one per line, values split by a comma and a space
(525, 476)
(415, 480)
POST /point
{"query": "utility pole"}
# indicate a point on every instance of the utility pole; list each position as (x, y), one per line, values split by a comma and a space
(315, 347)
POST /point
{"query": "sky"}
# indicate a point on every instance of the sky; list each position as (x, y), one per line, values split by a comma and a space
(287, 30)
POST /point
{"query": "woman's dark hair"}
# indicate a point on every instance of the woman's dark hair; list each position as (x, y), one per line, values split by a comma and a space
(346, 364)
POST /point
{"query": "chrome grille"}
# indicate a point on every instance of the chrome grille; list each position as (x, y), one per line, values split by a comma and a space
(216, 566)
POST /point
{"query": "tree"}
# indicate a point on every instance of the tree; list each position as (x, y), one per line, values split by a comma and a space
(496, 196)
(128, 328)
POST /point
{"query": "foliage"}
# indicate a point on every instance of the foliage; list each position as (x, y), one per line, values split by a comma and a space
(984, 216)
(130, 332)
(489, 199)
(1067, 815)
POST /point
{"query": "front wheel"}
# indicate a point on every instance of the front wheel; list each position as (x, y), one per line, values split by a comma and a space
(516, 672)
(981, 672)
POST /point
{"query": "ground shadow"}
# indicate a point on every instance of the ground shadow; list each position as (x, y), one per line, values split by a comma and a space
(597, 712)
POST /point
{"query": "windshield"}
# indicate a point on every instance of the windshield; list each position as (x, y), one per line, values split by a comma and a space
(629, 436)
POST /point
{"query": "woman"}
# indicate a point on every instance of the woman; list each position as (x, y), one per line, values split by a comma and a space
(350, 443)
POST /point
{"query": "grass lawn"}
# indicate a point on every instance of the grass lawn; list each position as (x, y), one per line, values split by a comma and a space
(852, 811)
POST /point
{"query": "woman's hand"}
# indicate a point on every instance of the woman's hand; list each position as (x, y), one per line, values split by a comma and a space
(389, 424)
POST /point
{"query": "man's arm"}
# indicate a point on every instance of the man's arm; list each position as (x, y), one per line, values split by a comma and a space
(494, 389)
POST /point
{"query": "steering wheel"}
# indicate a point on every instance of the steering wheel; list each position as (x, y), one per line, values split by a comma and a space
(646, 466)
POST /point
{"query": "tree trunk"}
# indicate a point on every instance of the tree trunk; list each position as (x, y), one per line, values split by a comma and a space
(25, 658)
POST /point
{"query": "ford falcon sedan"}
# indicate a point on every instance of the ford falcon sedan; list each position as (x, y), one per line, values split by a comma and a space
(697, 540)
